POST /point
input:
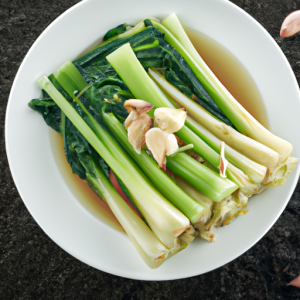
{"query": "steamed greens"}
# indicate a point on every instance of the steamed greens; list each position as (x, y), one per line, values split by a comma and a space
(189, 183)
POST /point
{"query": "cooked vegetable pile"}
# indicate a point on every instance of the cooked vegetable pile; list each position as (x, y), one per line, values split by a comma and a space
(144, 107)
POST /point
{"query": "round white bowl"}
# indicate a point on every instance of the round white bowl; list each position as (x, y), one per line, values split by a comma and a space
(38, 178)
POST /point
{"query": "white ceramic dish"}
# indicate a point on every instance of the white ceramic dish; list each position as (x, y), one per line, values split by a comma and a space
(42, 186)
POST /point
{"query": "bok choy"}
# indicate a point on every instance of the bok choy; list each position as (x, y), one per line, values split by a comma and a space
(87, 163)
(200, 176)
(144, 110)
(140, 84)
(154, 207)
(239, 116)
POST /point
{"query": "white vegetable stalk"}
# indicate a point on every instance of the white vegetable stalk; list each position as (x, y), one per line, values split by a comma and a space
(246, 187)
(255, 171)
(227, 210)
(162, 217)
(163, 226)
(241, 143)
(153, 252)
(239, 116)
(280, 174)
(208, 203)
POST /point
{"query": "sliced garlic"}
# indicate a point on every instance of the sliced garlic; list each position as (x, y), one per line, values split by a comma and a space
(169, 120)
(172, 145)
(137, 130)
(138, 122)
(161, 144)
(132, 117)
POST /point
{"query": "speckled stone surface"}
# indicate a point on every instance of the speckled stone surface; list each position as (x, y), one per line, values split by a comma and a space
(33, 267)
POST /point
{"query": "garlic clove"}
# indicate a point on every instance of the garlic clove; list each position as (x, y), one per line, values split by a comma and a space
(138, 122)
(171, 144)
(137, 130)
(170, 120)
(133, 115)
(140, 106)
(156, 143)
(291, 24)
(295, 282)
(160, 144)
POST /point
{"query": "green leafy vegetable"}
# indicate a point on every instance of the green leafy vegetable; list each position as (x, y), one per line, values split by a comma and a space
(152, 204)
(84, 101)
(241, 119)
(152, 51)
(49, 111)
(161, 181)
(115, 31)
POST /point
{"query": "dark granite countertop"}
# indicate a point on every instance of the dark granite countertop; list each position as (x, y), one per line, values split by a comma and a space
(33, 267)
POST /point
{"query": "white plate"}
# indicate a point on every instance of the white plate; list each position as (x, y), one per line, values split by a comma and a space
(41, 184)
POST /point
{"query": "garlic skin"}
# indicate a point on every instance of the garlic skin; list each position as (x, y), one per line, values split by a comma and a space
(160, 143)
(138, 122)
(223, 161)
(140, 106)
(170, 120)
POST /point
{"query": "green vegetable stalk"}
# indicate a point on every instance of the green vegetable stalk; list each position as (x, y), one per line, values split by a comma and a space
(239, 116)
(162, 182)
(207, 234)
(244, 145)
(90, 167)
(201, 177)
(142, 87)
(161, 216)
(204, 179)
(152, 251)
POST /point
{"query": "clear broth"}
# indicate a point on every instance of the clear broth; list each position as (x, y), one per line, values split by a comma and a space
(229, 71)
(81, 191)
